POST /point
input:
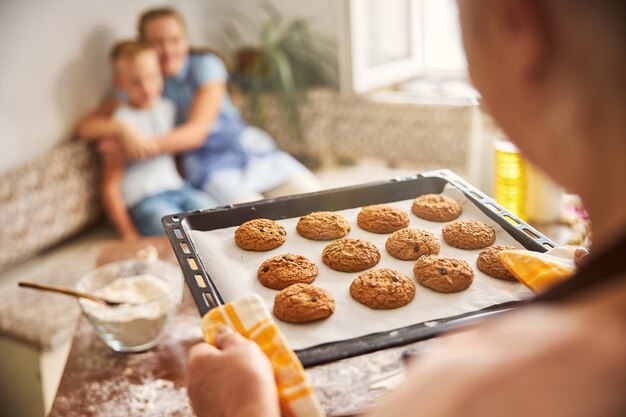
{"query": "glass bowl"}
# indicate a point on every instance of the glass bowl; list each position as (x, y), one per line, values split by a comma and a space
(132, 327)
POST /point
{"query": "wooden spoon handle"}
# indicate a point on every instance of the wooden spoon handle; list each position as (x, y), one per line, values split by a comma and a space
(67, 291)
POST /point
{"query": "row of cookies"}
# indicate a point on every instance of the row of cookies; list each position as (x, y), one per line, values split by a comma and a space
(264, 234)
(384, 288)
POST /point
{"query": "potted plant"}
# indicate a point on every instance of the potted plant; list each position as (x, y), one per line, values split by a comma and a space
(285, 59)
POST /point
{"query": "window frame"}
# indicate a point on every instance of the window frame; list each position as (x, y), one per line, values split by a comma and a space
(364, 78)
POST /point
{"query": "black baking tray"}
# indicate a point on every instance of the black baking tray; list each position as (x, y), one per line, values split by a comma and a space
(206, 295)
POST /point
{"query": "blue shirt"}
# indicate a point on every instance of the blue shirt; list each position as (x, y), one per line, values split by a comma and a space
(197, 71)
(222, 148)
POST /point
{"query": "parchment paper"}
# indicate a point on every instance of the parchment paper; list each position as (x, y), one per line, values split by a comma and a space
(233, 271)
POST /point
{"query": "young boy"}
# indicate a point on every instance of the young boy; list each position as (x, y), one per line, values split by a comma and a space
(137, 194)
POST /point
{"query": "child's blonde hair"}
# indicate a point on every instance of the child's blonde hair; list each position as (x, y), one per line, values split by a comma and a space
(128, 50)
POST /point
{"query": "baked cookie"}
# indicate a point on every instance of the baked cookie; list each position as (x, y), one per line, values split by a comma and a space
(322, 225)
(436, 208)
(468, 234)
(411, 243)
(489, 263)
(443, 274)
(382, 219)
(301, 303)
(350, 255)
(282, 271)
(260, 235)
(382, 289)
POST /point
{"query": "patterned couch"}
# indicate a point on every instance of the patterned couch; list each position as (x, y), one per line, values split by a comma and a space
(47, 200)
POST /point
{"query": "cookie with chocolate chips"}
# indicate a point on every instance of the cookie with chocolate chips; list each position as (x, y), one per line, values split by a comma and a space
(282, 271)
(468, 234)
(322, 225)
(489, 263)
(436, 208)
(443, 274)
(382, 219)
(260, 235)
(411, 243)
(382, 289)
(350, 255)
(302, 303)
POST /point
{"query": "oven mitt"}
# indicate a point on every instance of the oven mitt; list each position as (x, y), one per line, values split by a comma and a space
(249, 317)
(540, 271)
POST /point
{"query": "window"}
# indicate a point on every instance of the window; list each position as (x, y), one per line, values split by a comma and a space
(392, 41)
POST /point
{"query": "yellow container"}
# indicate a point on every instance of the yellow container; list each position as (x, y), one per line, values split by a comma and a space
(510, 178)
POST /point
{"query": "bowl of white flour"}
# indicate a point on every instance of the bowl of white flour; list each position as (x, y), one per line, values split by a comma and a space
(149, 289)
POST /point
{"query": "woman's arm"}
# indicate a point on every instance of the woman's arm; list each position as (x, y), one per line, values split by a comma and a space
(100, 123)
(202, 114)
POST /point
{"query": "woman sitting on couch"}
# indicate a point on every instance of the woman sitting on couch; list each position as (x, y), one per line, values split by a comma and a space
(219, 152)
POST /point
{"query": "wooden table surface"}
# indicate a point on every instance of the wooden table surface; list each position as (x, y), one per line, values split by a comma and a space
(100, 382)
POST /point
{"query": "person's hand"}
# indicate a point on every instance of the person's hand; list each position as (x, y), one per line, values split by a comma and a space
(136, 145)
(110, 150)
(580, 256)
(234, 379)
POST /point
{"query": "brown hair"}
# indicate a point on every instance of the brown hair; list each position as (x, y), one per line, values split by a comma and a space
(152, 14)
(160, 12)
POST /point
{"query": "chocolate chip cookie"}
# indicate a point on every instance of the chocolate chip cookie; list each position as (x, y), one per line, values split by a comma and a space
(443, 274)
(301, 303)
(382, 219)
(382, 289)
(322, 225)
(411, 243)
(282, 271)
(436, 208)
(468, 234)
(260, 235)
(489, 263)
(350, 255)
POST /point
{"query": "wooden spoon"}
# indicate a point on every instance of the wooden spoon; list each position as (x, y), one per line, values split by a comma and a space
(69, 291)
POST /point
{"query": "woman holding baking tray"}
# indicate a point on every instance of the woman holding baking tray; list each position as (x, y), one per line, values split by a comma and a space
(553, 74)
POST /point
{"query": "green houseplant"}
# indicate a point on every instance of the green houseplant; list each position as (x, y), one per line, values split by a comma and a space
(286, 58)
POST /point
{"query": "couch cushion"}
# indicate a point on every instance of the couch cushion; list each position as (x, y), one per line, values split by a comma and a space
(47, 200)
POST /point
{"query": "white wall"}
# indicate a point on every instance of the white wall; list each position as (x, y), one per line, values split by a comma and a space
(53, 58)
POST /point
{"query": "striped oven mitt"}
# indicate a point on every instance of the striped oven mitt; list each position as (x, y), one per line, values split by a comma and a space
(249, 317)
(540, 271)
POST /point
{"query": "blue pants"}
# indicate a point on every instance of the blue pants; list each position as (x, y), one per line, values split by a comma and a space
(148, 213)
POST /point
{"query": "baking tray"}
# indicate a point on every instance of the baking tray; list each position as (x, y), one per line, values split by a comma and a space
(206, 295)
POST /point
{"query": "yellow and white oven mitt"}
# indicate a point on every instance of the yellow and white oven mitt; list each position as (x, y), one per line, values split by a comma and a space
(249, 317)
(540, 271)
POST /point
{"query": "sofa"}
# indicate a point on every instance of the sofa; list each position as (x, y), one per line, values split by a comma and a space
(53, 225)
